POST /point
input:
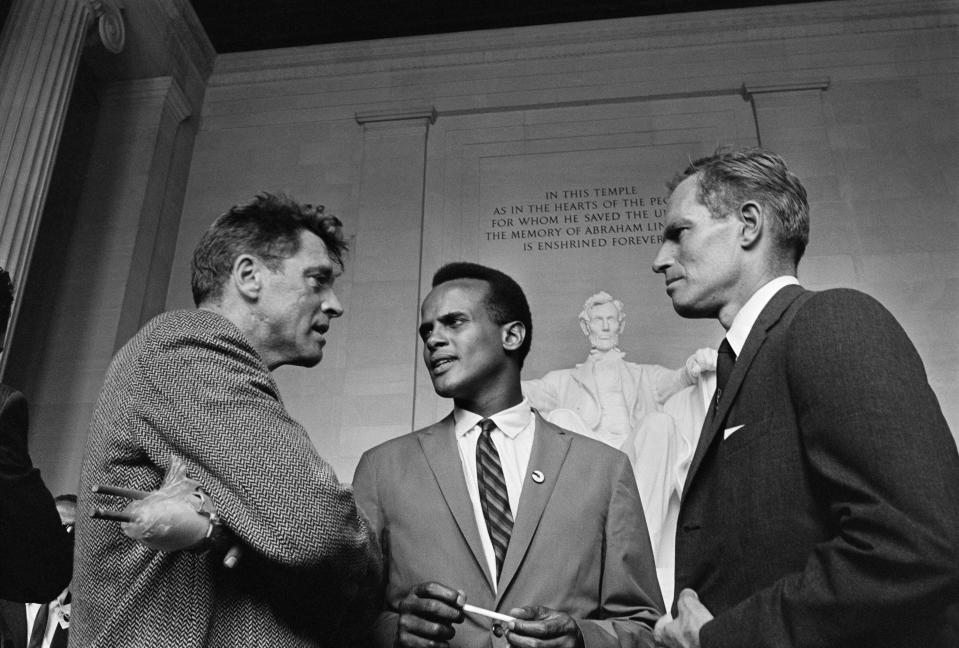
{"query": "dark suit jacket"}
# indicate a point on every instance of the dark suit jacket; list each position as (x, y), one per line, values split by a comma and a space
(831, 516)
(36, 553)
(13, 627)
(579, 542)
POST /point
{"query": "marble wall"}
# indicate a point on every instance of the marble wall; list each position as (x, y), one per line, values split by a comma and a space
(544, 151)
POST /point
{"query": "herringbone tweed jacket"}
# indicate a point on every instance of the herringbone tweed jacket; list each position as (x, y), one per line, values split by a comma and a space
(190, 384)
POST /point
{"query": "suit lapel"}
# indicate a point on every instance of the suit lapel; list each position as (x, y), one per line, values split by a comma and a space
(757, 336)
(550, 445)
(630, 389)
(442, 454)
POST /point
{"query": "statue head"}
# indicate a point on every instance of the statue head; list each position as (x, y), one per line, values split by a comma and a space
(602, 320)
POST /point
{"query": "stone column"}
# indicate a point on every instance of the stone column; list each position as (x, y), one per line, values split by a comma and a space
(385, 272)
(40, 51)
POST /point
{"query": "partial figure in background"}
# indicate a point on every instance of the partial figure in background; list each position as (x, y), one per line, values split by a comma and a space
(622, 404)
(196, 384)
(41, 625)
(35, 550)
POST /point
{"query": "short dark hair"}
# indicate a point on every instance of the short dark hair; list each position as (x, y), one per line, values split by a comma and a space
(6, 302)
(729, 177)
(505, 300)
(268, 227)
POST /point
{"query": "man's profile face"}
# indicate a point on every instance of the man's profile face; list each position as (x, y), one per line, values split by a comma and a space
(296, 304)
(463, 347)
(700, 255)
(604, 326)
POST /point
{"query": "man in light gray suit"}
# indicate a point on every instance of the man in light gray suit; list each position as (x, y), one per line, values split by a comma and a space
(497, 507)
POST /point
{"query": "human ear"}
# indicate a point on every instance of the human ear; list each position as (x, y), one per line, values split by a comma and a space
(514, 333)
(752, 216)
(247, 276)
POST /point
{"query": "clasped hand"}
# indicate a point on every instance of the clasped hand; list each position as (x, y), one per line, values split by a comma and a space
(176, 516)
(428, 613)
(683, 631)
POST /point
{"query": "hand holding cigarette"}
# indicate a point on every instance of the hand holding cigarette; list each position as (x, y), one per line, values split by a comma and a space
(427, 614)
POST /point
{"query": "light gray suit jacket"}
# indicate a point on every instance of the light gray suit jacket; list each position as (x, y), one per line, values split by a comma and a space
(579, 541)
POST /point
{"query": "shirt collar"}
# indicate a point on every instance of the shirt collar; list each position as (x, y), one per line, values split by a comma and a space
(606, 356)
(749, 313)
(510, 421)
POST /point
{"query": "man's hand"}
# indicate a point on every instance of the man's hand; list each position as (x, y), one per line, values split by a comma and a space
(179, 515)
(703, 360)
(683, 631)
(541, 627)
(427, 615)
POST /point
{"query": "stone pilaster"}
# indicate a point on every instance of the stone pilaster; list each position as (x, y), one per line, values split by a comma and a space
(40, 51)
(386, 274)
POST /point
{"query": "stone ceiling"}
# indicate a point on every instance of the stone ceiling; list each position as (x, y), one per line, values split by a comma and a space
(245, 25)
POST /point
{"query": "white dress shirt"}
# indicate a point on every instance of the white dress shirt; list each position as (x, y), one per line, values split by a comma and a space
(513, 438)
(749, 313)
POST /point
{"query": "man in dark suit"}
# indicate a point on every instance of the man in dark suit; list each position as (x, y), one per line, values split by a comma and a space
(35, 553)
(41, 625)
(820, 508)
(197, 384)
(495, 506)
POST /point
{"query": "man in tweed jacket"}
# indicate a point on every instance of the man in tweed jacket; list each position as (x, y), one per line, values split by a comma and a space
(197, 384)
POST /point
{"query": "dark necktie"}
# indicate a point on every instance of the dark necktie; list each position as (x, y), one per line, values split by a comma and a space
(725, 360)
(39, 627)
(493, 495)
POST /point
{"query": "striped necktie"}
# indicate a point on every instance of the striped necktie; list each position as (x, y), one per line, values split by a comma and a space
(493, 495)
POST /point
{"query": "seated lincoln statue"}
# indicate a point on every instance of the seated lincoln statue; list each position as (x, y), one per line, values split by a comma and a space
(650, 412)
(609, 394)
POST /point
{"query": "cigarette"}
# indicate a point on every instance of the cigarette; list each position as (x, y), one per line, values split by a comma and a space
(105, 514)
(487, 613)
(121, 492)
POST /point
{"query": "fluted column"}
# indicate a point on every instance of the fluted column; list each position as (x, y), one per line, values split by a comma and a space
(40, 51)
